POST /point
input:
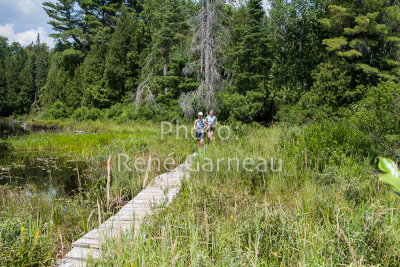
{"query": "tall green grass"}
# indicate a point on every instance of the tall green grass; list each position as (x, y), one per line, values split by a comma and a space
(334, 213)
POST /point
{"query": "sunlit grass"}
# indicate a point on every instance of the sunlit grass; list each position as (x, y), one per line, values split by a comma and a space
(300, 216)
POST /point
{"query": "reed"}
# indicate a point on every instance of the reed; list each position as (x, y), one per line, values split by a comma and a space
(300, 216)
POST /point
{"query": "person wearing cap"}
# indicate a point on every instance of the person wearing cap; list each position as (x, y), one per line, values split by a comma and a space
(201, 127)
(212, 122)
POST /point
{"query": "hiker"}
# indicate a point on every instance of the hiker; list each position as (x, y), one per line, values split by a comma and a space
(212, 122)
(201, 127)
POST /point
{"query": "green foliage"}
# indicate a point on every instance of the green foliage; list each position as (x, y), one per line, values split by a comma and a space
(240, 107)
(23, 73)
(94, 114)
(84, 113)
(377, 115)
(298, 114)
(365, 35)
(121, 68)
(302, 61)
(392, 176)
(329, 142)
(57, 110)
(248, 59)
(114, 111)
(296, 48)
(25, 243)
(80, 113)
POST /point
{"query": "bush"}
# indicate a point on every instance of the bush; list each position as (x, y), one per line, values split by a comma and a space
(378, 116)
(84, 113)
(94, 114)
(329, 141)
(127, 114)
(145, 112)
(240, 107)
(298, 114)
(57, 111)
(115, 111)
(80, 114)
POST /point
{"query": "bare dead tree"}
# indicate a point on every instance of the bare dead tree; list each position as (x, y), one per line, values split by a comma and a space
(143, 92)
(205, 43)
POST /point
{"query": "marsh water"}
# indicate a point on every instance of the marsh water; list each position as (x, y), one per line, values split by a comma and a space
(53, 176)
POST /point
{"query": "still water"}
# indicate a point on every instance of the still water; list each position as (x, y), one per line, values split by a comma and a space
(52, 176)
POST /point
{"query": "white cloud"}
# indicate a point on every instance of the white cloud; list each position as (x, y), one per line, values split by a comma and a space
(26, 37)
(26, 6)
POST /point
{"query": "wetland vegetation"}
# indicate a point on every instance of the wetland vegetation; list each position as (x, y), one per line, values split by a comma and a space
(315, 83)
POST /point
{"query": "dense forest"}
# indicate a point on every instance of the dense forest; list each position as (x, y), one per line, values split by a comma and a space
(299, 61)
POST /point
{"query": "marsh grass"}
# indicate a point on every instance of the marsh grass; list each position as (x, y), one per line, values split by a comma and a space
(62, 220)
(305, 215)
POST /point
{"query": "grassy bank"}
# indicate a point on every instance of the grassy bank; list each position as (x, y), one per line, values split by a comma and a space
(36, 229)
(323, 207)
(327, 210)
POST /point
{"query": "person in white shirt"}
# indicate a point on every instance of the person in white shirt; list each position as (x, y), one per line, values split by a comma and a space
(212, 122)
(201, 127)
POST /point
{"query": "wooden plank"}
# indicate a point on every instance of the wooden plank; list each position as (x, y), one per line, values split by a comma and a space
(82, 254)
(85, 242)
(72, 263)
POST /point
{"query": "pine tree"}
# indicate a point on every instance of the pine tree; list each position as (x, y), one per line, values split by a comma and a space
(15, 63)
(366, 35)
(99, 13)
(248, 61)
(89, 76)
(123, 57)
(58, 78)
(3, 81)
(297, 50)
(67, 22)
(172, 31)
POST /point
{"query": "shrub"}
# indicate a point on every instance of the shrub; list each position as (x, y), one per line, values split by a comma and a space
(115, 111)
(80, 114)
(328, 141)
(298, 114)
(144, 112)
(94, 114)
(127, 114)
(84, 113)
(240, 107)
(378, 116)
(57, 111)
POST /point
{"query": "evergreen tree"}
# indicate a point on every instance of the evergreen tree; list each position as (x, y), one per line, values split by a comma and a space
(14, 65)
(172, 31)
(3, 82)
(27, 91)
(99, 13)
(67, 22)
(58, 78)
(248, 61)
(122, 65)
(89, 76)
(366, 35)
(297, 50)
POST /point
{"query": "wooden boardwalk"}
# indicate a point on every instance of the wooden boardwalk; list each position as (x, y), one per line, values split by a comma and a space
(162, 190)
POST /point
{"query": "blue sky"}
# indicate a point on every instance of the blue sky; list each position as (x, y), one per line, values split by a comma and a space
(22, 20)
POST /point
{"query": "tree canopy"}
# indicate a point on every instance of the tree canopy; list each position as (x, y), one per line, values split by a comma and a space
(311, 57)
